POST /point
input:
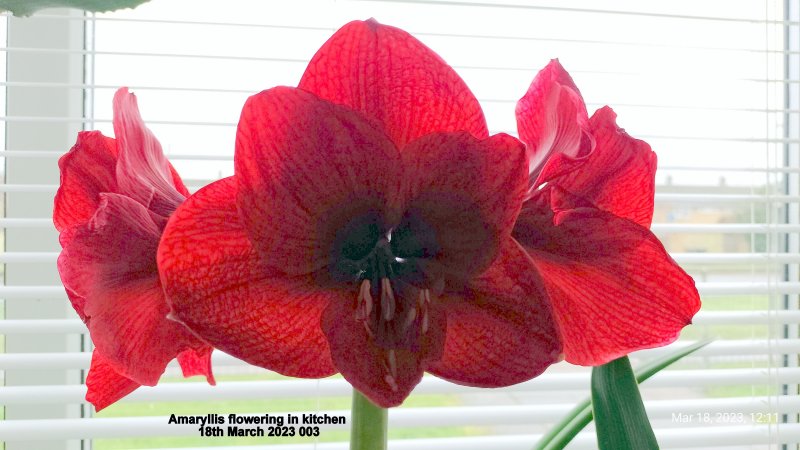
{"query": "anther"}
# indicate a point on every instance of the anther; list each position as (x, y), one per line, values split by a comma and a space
(410, 318)
(423, 302)
(387, 299)
(390, 381)
(365, 299)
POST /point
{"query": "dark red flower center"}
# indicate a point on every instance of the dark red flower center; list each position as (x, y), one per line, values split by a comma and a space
(391, 268)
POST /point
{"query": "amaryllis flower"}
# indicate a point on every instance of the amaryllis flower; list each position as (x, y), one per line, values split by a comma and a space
(366, 230)
(113, 203)
(612, 286)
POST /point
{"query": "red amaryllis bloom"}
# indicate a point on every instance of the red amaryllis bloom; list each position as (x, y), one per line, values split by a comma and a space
(612, 286)
(366, 230)
(112, 205)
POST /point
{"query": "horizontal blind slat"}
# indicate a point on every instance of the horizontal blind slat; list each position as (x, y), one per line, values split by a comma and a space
(705, 288)
(703, 318)
(660, 197)
(80, 360)
(198, 391)
(400, 417)
(680, 258)
(738, 228)
(705, 438)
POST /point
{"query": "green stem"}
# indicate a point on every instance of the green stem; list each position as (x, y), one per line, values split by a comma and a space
(368, 424)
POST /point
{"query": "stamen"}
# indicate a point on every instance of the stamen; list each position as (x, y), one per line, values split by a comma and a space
(365, 299)
(391, 368)
(387, 299)
(390, 381)
(424, 301)
(369, 330)
(392, 363)
(410, 318)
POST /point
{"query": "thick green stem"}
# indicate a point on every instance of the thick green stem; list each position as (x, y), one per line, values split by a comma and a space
(368, 424)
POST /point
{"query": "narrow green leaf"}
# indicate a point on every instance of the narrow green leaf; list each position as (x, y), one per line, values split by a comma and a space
(28, 7)
(619, 416)
(565, 430)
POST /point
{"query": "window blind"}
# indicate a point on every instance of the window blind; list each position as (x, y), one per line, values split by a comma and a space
(714, 87)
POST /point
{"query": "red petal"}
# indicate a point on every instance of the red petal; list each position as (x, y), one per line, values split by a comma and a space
(613, 287)
(88, 169)
(552, 118)
(501, 330)
(104, 385)
(305, 168)
(197, 362)
(390, 76)
(366, 365)
(143, 173)
(468, 192)
(618, 176)
(218, 287)
(77, 300)
(110, 264)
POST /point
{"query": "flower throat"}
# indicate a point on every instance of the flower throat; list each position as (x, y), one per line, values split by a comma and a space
(392, 310)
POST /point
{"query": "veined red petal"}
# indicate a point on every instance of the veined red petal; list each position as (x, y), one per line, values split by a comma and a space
(552, 118)
(501, 330)
(76, 299)
(306, 167)
(384, 376)
(143, 173)
(87, 169)
(217, 285)
(104, 385)
(613, 287)
(467, 193)
(390, 76)
(110, 264)
(197, 362)
(100, 254)
(618, 176)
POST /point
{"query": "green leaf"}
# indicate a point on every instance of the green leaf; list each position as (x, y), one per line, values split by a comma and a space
(619, 416)
(564, 431)
(28, 7)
